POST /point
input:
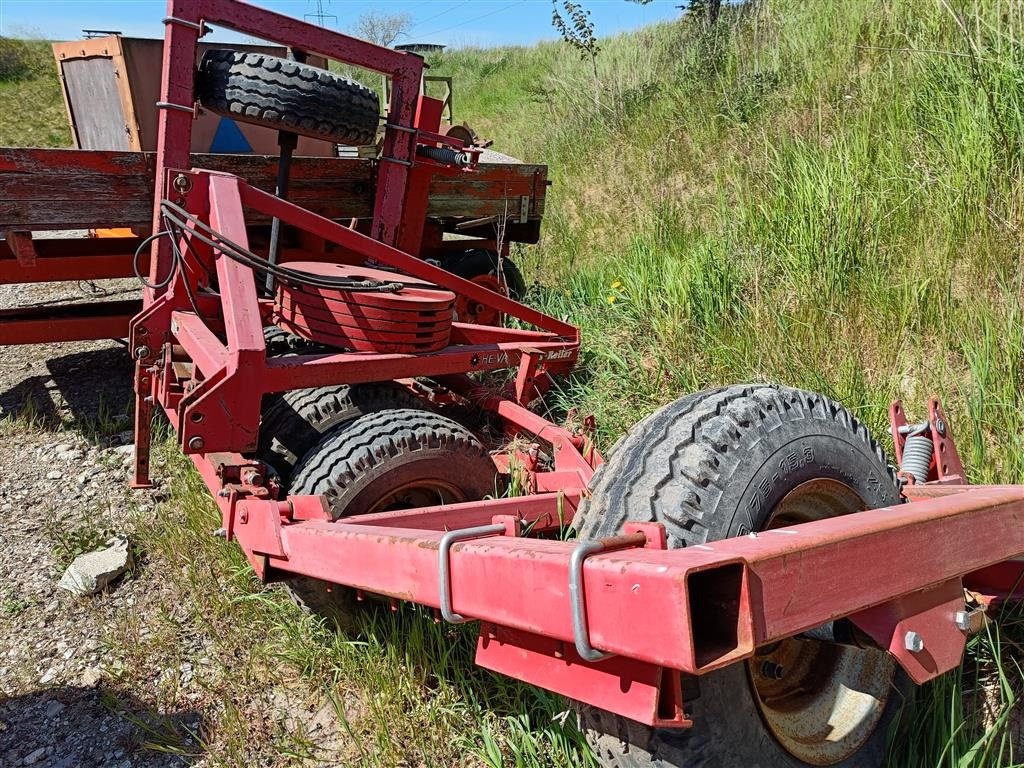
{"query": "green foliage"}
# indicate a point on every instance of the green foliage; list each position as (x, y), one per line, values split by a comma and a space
(826, 195)
(575, 27)
(32, 112)
(17, 61)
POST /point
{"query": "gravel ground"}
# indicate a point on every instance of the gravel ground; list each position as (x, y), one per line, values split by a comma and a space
(63, 480)
(128, 677)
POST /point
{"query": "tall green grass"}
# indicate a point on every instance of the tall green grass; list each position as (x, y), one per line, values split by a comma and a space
(32, 112)
(823, 194)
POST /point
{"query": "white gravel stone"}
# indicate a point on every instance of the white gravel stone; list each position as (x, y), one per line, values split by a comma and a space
(94, 571)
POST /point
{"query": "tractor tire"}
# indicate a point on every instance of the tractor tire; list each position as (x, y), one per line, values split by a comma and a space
(281, 343)
(393, 459)
(724, 463)
(282, 94)
(396, 459)
(484, 268)
(293, 422)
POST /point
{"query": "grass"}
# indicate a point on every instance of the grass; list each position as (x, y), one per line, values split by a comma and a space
(402, 687)
(32, 112)
(822, 194)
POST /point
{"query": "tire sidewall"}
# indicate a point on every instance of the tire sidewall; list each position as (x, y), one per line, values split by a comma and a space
(424, 464)
(756, 472)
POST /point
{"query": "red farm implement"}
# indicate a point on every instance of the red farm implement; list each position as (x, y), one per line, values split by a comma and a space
(752, 583)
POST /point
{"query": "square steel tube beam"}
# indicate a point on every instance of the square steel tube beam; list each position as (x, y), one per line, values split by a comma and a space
(804, 575)
(521, 583)
(284, 373)
(693, 609)
(81, 321)
(85, 258)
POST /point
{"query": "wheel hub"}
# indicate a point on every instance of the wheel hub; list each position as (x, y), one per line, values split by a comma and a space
(821, 701)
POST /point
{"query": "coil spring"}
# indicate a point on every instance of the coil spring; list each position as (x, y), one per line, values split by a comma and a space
(917, 454)
(445, 155)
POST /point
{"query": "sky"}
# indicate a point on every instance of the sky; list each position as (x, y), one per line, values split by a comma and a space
(449, 22)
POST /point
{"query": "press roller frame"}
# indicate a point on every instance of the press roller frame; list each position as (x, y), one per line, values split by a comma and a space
(891, 571)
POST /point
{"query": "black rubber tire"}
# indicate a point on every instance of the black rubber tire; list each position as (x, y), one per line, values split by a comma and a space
(295, 421)
(710, 466)
(281, 343)
(477, 262)
(282, 94)
(353, 465)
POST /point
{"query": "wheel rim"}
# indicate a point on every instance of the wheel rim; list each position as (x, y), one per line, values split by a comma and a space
(427, 492)
(471, 311)
(821, 701)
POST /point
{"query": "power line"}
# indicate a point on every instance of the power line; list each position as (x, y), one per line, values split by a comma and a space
(438, 15)
(475, 18)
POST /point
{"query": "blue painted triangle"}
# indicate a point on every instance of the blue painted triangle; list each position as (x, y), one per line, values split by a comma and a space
(229, 138)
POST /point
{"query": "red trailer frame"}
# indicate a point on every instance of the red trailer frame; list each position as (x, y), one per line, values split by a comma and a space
(601, 621)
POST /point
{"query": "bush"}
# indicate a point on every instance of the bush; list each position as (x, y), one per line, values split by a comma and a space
(17, 59)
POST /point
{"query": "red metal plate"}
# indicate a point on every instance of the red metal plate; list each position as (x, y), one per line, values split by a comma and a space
(416, 317)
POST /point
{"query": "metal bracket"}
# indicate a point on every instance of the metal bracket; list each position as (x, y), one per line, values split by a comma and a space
(180, 107)
(577, 592)
(201, 27)
(386, 159)
(444, 565)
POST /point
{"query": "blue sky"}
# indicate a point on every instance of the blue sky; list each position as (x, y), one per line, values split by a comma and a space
(451, 22)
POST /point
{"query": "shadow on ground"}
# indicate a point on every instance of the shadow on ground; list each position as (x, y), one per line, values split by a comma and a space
(83, 390)
(79, 727)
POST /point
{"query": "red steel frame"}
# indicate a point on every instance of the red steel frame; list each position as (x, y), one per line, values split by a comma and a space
(202, 360)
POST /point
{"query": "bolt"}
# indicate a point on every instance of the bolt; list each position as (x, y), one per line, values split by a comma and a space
(772, 671)
(243, 517)
(196, 443)
(224, 493)
(182, 183)
(962, 620)
(252, 477)
(940, 426)
(142, 352)
(913, 642)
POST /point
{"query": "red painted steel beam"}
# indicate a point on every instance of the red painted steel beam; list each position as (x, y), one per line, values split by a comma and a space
(714, 603)
(73, 259)
(200, 343)
(284, 373)
(849, 563)
(409, 265)
(68, 322)
(513, 582)
(539, 512)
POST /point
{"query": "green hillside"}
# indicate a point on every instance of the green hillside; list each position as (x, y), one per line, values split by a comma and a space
(826, 195)
(32, 112)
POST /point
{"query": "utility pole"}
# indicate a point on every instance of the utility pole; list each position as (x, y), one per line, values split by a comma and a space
(320, 16)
